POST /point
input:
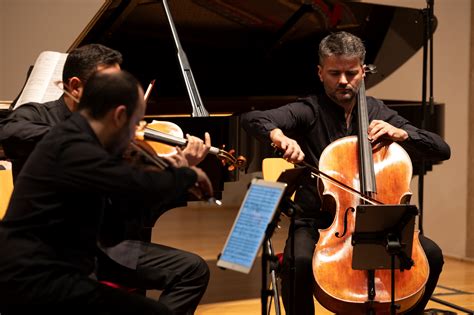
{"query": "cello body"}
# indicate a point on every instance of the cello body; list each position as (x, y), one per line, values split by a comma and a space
(338, 287)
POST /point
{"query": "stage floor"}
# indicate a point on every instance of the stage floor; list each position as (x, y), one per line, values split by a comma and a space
(456, 286)
(203, 230)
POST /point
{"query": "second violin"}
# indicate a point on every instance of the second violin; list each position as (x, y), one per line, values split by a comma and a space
(165, 132)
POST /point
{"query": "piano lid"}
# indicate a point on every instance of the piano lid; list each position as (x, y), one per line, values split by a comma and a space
(246, 47)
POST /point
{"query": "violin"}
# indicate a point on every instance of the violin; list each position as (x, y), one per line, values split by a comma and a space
(161, 139)
(141, 154)
(163, 136)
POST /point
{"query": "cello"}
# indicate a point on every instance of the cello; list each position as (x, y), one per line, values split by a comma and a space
(383, 177)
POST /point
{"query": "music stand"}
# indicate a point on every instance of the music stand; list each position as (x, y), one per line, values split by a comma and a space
(382, 233)
(252, 229)
(291, 178)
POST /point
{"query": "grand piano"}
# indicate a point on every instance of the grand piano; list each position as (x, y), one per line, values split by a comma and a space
(248, 54)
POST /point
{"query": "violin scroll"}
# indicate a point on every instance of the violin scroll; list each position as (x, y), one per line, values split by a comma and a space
(228, 158)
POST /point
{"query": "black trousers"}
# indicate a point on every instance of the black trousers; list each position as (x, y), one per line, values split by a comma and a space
(182, 276)
(306, 236)
(55, 291)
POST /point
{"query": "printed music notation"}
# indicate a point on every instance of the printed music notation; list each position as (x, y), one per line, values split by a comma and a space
(40, 86)
(249, 229)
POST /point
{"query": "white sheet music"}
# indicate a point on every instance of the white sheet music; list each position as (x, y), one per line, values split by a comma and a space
(40, 85)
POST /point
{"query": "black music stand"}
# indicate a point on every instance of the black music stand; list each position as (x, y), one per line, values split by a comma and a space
(289, 208)
(383, 233)
(269, 262)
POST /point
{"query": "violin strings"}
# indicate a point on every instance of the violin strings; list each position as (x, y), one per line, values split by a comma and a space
(161, 164)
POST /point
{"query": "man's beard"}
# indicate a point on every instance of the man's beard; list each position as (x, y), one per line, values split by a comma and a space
(121, 142)
(342, 99)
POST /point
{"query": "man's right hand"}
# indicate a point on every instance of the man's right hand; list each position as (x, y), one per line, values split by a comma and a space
(292, 151)
(178, 159)
(203, 182)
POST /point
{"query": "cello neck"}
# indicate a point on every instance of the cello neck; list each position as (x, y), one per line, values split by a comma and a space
(366, 167)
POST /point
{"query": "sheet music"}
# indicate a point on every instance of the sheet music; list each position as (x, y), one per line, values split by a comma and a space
(40, 86)
(249, 228)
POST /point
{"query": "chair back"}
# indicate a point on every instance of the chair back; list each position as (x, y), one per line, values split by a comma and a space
(272, 168)
(6, 189)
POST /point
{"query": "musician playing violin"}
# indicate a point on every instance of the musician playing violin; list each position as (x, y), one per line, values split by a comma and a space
(49, 234)
(305, 127)
(126, 257)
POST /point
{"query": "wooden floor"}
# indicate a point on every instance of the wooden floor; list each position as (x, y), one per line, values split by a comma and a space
(203, 230)
(456, 285)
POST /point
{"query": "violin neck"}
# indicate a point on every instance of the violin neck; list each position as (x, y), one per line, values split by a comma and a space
(156, 135)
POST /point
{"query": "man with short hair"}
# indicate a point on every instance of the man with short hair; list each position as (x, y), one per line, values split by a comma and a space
(127, 257)
(48, 238)
(28, 123)
(303, 129)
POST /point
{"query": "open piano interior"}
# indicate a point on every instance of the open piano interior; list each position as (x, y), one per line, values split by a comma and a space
(248, 55)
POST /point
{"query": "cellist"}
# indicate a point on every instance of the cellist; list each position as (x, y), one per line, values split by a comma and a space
(303, 129)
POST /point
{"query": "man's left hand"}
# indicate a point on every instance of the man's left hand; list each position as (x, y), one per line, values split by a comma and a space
(380, 130)
(196, 149)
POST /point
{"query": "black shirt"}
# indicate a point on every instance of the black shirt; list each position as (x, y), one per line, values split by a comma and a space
(56, 207)
(316, 121)
(26, 126)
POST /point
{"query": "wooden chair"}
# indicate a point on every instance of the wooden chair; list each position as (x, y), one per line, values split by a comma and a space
(6, 189)
(272, 168)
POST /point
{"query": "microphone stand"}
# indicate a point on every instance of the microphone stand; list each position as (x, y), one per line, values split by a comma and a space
(195, 98)
(428, 17)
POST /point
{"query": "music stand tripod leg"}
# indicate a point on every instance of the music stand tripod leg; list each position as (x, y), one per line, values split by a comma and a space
(269, 263)
(371, 291)
(273, 268)
(391, 226)
(393, 248)
(291, 302)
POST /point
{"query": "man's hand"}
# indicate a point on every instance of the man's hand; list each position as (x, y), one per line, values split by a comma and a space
(292, 151)
(196, 149)
(379, 131)
(178, 159)
(203, 183)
